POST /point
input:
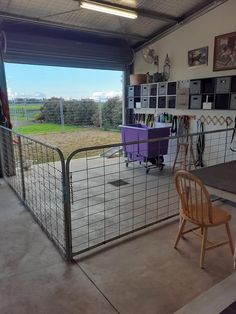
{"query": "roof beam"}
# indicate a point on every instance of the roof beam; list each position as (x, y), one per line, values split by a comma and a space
(141, 12)
(187, 18)
(22, 19)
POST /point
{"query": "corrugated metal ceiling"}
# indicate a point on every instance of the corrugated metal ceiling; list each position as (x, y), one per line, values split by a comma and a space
(68, 13)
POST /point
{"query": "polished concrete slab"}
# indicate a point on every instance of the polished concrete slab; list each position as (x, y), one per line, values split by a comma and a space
(139, 274)
(146, 275)
(61, 289)
(24, 247)
(33, 276)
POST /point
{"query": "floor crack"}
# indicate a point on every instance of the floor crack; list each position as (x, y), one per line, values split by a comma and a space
(96, 286)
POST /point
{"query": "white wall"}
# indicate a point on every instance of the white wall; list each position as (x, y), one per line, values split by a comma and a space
(196, 34)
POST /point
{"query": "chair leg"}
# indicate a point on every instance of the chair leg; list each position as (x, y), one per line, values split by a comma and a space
(192, 156)
(181, 229)
(185, 157)
(230, 238)
(234, 258)
(203, 247)
(176, 157)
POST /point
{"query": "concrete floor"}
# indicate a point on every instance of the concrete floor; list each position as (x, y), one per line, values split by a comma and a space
(139, 274)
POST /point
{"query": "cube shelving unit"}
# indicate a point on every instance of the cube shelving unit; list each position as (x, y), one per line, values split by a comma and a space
(212, 93)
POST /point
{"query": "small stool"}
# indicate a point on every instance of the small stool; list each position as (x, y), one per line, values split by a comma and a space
(185, 148)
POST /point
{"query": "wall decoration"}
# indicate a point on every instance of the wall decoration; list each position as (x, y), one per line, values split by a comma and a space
(198, 57)
(225, 52)
(166, 68)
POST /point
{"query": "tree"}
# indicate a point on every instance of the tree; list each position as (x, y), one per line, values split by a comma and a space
(76, 112)
(51, 110)
(112, 113)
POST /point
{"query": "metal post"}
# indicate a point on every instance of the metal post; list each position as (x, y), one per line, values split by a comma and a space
(125, 81)
(21, 166)
(100, 113)
(226, 141)
(66, 205)
(1, 152)
(67, 210)
(62, 116)
(25, 110)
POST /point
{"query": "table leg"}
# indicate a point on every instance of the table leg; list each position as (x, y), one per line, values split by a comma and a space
(234, 257)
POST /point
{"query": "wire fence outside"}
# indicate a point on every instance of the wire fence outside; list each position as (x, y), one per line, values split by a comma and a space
(25, 109)
(83, 113)
(101, 193)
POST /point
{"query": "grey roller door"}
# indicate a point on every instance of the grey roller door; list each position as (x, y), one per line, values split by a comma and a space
(36, 44)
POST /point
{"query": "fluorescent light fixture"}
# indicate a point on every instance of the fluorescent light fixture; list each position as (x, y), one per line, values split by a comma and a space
(108, 9)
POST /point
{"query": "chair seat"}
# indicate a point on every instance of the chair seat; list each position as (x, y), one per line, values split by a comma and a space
(219, 216)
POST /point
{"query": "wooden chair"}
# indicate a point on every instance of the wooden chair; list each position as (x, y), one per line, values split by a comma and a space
(196, 207)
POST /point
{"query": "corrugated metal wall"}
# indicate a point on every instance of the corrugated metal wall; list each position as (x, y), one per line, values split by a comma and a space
(45, 45)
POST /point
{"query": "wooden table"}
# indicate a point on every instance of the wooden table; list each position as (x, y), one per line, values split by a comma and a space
(220, 181)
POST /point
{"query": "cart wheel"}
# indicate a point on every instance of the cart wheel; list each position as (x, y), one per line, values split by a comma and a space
(153, 161)
(160, 159)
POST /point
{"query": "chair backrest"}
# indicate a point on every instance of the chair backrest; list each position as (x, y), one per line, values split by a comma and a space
(195, 199)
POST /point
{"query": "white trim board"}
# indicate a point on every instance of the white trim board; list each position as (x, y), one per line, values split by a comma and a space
(214, 300)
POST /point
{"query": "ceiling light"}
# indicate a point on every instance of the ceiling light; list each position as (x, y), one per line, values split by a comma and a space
(108, 9)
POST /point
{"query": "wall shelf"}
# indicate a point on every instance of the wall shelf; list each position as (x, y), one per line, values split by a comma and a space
(212, 93)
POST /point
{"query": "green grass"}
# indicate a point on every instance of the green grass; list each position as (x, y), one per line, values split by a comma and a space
(45, 128)
(29, 107)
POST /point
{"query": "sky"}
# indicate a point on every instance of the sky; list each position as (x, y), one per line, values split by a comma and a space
(45, 82)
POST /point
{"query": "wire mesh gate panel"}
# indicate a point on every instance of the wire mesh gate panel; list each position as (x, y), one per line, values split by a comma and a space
(111, 200)
(92, 199)
(35, 171)
(113, 197)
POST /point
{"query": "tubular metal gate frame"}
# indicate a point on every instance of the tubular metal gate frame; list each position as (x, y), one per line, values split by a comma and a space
(69, 183)
(8, 139)
(6, 136)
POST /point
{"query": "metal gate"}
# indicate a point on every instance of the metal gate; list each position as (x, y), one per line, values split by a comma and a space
(36, 173)
(91, 199)
(109, 198)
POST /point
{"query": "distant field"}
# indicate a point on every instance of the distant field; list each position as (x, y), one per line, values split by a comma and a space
(21, 112)
(27, 107)
(45, 128)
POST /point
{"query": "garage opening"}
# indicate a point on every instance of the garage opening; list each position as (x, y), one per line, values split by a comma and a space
(65, 107)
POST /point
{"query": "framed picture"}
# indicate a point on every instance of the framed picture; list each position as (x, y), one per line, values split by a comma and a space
(225, 52)
(198, 57)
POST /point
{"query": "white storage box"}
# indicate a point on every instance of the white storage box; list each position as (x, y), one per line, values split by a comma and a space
(207, 105)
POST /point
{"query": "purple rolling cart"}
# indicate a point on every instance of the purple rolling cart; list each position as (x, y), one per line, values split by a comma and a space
(151, 154)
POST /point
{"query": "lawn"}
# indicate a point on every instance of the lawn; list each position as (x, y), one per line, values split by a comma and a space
(27, 107)
(45, 128)
(27, 112)
(80, 138)
(72, 138)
